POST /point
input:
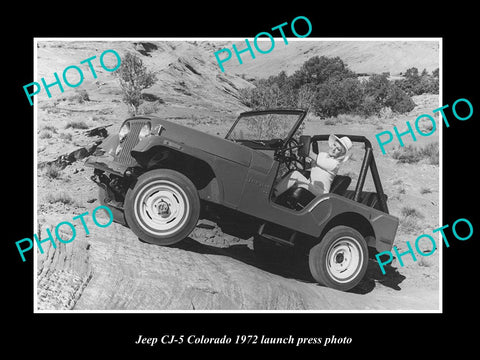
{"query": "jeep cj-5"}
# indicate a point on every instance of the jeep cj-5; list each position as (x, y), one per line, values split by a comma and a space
(159, 178)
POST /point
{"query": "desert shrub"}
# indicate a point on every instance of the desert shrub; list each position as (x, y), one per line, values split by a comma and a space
(319, 69)
(269, 93)
(407, 154)
(432, 153)
(80, 96)
(52, 171)
(398, 100)
(370, 106)
(65, 136)
(411, 154)
(417, 84)
(409, 211)
(61, 197)
(410, 220)
(410, 225)
(47, 131)
(51, 128)
(336, 97)
(306, 96)
(425, 190)
(45, 134)
(76, 125)
(134, 77)
(326, 86)
(381, 93)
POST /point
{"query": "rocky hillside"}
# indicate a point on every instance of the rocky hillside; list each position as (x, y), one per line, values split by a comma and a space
(364, 57)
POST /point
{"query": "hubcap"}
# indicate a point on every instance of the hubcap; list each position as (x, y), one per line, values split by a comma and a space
(344, 259)
(161, 208)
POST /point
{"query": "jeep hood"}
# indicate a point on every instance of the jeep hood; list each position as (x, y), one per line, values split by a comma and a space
(211, 144)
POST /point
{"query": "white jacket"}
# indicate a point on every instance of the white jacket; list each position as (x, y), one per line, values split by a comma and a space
(323, 171)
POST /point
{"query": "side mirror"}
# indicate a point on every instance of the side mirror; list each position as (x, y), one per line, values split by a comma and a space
(304, 149)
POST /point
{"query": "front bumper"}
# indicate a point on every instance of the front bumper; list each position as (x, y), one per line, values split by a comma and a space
(107, 164)
(112, 178)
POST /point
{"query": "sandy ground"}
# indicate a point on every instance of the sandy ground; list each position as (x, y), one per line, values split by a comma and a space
(110, 269)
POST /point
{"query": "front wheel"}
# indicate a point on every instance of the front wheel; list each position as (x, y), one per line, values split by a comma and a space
(340, 259)
(163, 207)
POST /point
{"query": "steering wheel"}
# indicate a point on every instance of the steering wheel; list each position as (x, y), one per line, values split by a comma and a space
(289, 156)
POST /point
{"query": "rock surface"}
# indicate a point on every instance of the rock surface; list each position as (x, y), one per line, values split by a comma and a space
(110, 269)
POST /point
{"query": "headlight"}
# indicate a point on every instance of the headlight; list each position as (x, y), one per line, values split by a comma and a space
(144, 131)
(124, 130)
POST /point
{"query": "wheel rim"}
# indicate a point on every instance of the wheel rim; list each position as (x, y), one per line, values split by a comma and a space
(344, 259)
(161, 208)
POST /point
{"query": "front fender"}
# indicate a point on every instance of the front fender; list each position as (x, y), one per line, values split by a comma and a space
(197, 165)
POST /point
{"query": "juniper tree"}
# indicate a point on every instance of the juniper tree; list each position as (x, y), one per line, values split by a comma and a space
(134, 77)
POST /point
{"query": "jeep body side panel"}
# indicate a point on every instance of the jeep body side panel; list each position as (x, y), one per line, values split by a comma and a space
(384, 225)
(244, 180)
(313, 219)
(247, 189)
(258, 185)
(229, 175)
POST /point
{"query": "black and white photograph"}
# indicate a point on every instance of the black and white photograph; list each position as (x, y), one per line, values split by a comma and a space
(258, 185)
(219, 179)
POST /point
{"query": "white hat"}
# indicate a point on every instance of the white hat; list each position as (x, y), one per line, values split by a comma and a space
(344, 141)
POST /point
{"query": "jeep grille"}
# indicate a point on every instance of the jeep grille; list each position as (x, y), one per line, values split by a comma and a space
(129, 143)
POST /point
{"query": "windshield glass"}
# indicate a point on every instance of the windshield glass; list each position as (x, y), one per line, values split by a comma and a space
(264, 126)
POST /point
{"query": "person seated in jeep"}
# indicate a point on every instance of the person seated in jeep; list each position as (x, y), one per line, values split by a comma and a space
(324, 167)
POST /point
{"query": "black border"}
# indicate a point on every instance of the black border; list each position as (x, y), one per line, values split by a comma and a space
(373, 334)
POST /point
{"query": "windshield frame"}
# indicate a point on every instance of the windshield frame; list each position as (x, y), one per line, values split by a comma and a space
(301, 116)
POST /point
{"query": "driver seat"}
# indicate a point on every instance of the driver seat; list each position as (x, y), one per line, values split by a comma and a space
(340, 184)
(297, 198)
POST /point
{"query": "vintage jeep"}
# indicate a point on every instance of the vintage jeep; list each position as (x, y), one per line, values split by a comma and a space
(159, 178)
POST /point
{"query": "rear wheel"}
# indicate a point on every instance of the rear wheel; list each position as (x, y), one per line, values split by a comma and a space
(340, 259)
(163, 207)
